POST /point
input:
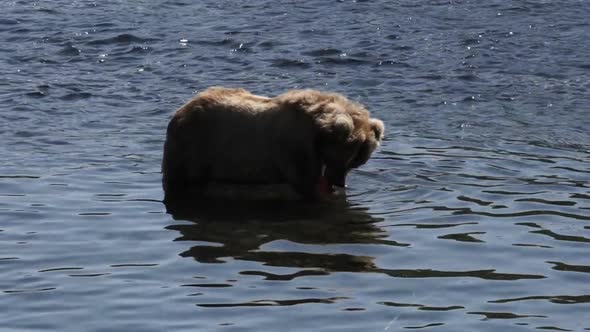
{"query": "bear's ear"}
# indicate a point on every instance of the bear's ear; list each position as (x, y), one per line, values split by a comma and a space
(336, 125)
(343, 126)
(377, 127)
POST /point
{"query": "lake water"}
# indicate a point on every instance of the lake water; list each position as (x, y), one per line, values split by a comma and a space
(474, 215)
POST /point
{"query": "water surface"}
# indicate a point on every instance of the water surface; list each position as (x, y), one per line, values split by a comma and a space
(474, 215)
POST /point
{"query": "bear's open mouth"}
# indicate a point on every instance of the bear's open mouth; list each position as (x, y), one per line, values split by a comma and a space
(324, 186)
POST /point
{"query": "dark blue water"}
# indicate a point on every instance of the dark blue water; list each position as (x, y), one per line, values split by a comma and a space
(474, 215)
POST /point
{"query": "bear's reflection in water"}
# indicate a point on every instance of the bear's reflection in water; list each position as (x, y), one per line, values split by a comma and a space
(240, 230)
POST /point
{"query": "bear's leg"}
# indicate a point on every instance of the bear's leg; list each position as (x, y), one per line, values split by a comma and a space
(181, 178)
(175, 183)
(184, 183)
(303, 174)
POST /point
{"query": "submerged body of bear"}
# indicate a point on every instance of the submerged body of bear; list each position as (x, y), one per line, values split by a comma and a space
(304, 138)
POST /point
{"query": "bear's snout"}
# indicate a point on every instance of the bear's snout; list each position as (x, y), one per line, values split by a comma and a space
(336, 176)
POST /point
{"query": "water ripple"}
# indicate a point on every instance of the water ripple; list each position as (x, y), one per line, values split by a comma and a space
(121, 39)
(483, 274)
(567, 267)
(285, 277)
(503, 315)
(259, 303)
(69, 50)
(473, 214)
(559, 299)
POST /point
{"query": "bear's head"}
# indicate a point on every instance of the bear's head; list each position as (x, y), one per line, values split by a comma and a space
(346, 137)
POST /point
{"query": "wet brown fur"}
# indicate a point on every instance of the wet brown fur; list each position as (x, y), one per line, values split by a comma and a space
(226, 135)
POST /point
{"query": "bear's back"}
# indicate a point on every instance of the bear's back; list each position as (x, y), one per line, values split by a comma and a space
(234, 100)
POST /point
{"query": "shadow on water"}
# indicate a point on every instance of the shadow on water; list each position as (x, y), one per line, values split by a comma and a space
(245, 230)
(240, 229)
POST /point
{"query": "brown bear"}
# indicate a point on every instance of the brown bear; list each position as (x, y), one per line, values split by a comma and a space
(306, 139)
